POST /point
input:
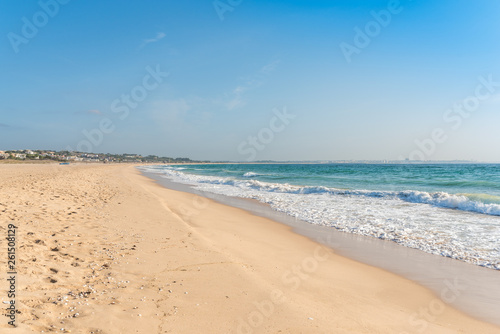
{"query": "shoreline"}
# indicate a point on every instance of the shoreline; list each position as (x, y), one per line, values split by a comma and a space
(479, 296)
(108, 250)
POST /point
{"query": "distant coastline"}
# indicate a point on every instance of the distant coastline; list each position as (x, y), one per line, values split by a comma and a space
(58, 156)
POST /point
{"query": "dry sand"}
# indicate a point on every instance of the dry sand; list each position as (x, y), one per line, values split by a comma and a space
(103, 249)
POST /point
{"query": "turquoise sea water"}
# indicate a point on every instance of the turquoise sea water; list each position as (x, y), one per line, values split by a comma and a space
(447, 209)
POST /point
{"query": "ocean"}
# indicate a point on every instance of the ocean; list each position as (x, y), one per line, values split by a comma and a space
(452, 210)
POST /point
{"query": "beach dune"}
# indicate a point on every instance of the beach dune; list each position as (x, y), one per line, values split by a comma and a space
(103, 249)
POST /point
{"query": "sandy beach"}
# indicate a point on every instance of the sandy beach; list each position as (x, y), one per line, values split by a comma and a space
(103, 249)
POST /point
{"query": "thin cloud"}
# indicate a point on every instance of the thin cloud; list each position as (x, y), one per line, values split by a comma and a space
(270, 67)
(170, 112)
(3, 125)
(236, 97)
(159, 36)
(495, 98)
(88, 112)
(181, 114)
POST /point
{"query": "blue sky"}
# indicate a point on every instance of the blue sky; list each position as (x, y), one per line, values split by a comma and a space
(228, 78)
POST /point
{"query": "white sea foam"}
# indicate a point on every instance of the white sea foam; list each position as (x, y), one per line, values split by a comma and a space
(426, 221)
(251, 174)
